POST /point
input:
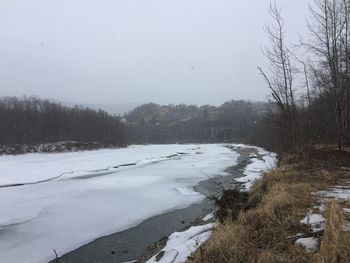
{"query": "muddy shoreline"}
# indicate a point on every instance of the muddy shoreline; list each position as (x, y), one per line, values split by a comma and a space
(144, 240)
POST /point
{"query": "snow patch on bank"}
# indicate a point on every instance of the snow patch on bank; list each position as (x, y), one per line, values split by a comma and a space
(261, 162)
(309, 243)
(341, 192)
(181, 245)
(317, 222)
(208, 217)
(314, 221)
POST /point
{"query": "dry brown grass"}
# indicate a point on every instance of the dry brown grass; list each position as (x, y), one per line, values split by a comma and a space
(335, 242)
(277, 203)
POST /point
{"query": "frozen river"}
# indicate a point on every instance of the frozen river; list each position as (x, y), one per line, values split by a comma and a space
(62, 201)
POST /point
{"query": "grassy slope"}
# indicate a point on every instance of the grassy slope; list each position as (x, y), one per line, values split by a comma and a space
(264, 231)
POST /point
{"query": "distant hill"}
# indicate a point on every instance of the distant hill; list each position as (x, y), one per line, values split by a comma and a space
(232, 121)
(151, 113)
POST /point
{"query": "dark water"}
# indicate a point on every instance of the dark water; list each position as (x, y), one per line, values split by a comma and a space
(132, 243)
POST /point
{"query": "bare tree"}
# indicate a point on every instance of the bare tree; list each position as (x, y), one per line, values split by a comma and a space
(329, 28)
(281, 82)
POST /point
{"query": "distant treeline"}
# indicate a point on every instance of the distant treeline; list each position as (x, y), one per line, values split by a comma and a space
(44, 125)
(34, 121)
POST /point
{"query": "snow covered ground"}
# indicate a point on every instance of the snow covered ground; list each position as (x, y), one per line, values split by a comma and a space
(182, 244)
(317, 222)
(62, 201)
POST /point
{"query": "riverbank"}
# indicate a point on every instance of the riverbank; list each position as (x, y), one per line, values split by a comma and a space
(299, 212)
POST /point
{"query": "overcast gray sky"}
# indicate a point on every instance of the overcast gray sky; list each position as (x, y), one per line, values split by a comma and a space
(127, 51)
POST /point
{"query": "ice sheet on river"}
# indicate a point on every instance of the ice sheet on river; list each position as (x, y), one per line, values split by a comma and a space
(69, 199)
